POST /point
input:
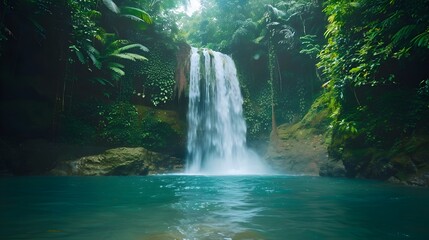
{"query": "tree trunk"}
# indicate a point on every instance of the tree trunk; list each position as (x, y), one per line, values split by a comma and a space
(271, 65)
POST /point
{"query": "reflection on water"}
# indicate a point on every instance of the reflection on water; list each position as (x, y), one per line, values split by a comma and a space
(219, 209)
(210, 208)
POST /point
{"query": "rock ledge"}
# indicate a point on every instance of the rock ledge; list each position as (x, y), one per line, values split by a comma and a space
(119, 162)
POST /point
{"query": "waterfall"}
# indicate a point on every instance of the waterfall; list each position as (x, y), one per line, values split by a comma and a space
(217, 130)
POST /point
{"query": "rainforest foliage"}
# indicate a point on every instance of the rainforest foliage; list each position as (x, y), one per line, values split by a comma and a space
(375, 62)
(274, 45)
(100, 71)
(73, 71)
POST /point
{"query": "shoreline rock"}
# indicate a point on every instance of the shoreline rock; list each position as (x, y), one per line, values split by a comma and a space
(301, 148)
(123, 161)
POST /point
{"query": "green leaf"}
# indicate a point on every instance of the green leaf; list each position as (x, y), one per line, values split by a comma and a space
(259, 39)
(78, 53)
(422, 40)
(134, 18)
(138, 13)
(103, 81)
(94, 60)
(137, 56)
(94, 14)
(118, 71)
(130, 46)
(355, 70)
(94, 55)
(403, 33)
(114, 64)
(111, 6)
(355, 4)
(123, 56)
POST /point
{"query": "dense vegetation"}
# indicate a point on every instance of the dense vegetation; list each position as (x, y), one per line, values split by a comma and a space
(76, 72)
(98, 72)
(275, 48)
(376, 63)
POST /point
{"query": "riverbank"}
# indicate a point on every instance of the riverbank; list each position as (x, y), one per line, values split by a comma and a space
(40, 157)
(311, 147)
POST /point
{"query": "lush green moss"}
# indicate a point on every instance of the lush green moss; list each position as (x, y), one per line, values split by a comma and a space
(316, 122)
(158, 80)
(122, 124)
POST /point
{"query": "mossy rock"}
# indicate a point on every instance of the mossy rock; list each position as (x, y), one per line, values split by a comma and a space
(162, 130)
(407, 162)
(170, 117)
(120, 162)
(302, 147)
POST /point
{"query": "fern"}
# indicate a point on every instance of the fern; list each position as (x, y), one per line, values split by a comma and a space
(309, 45)
(118, 71)
(122, 56)
(129, 56)
(113, 46)
(115, 64)
(137, 56)
(130, 46)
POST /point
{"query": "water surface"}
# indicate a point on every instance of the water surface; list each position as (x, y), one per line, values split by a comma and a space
(215, 207)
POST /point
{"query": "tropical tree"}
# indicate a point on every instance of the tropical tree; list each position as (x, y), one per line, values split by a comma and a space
(372, 42)
(287, 24)
(102, 52)
(107, 59)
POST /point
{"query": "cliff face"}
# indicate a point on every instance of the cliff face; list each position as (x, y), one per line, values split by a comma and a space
(311, 146)
(302, 148)
(406, 162)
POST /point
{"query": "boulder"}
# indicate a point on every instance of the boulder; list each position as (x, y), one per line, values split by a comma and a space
(332, 168)
(121, 162)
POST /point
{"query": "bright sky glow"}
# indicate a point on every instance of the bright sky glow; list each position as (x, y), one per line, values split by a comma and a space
(193, 6)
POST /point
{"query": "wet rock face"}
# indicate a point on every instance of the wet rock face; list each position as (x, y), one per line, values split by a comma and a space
(120, 162)
(421, 181)
(407, 162)
(332, 169)
(301, 153)
(310, 147)
(301, 148)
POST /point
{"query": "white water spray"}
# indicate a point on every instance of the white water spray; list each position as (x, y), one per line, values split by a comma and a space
(217, 130)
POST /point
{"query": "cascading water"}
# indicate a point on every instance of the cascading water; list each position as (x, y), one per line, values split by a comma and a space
(217, 130)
